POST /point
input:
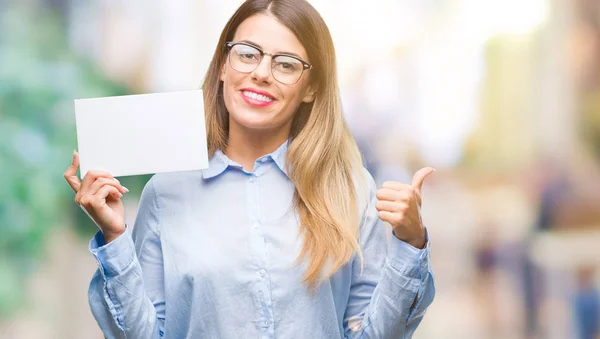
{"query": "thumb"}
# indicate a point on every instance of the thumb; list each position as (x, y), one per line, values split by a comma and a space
(420, 176)
(71, 173)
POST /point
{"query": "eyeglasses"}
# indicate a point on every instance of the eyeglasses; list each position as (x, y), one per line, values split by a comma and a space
(245, 58)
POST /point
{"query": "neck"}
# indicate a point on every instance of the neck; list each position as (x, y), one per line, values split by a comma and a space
(245, 145)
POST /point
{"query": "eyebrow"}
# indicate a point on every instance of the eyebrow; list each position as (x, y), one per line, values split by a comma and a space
(280, 53)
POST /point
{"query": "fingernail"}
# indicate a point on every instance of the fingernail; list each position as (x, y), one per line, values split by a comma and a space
(126, 189)
(117, 180)
(74, 151)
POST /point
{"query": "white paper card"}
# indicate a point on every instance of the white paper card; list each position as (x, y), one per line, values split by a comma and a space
(142, 134)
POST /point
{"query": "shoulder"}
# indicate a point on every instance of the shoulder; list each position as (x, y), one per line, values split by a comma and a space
(173, 182)
(365, 190)
(165, 191)
(174, 186)
(370, 231)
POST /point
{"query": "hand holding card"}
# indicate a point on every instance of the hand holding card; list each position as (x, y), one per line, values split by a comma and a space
(99, 196)
(130, 135)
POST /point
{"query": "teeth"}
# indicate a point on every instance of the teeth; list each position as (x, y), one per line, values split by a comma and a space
(258, 97)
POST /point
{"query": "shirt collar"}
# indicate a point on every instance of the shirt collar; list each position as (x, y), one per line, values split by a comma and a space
(279, 156)
(219, 162)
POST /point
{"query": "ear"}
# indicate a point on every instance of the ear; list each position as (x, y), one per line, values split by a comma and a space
(222, 73)
(309, 96)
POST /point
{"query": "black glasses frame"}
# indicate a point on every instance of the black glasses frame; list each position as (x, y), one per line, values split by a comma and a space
(305, 65)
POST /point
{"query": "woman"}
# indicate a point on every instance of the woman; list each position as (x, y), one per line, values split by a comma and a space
(280, 237)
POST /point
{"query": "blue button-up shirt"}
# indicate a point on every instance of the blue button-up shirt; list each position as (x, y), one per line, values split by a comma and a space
(212, 255)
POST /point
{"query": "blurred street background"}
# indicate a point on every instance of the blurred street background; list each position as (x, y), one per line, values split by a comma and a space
(502, 97)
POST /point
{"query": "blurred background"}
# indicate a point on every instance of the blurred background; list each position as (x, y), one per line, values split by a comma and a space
(502, 97)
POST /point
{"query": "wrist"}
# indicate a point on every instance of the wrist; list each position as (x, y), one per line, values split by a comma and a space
(110, 236)
(417, 242)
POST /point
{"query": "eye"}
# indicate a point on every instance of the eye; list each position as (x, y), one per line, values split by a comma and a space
(248, 56)
(246, 53)
(287, 64)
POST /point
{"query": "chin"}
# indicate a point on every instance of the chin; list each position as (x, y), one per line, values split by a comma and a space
(256, 121)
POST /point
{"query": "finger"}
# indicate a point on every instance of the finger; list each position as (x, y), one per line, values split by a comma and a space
(106, 181)
(92, 176)
(406, 192)
(420, 176)
(103, 193)
(88, 200)
(392, 195)
(394, 185)
(101, 182)
(71, 173)
(99, 199)
(89, 178)
(390, 217)
(387, 194)
(391, 206)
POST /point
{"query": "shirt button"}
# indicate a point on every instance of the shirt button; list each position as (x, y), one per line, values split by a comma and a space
(251, 179)
(256, 225)
(265, 323)
(262, 273)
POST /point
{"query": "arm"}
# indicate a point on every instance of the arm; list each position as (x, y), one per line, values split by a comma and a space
(389, 298)
(126, 294)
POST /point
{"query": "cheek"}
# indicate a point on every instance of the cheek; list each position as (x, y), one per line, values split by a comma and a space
(230, 81)
(229, 99)
(294, 95)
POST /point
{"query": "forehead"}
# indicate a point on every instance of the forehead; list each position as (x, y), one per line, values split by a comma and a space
(270, 34)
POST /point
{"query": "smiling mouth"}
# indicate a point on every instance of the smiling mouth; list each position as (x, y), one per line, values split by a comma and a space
(257, 97)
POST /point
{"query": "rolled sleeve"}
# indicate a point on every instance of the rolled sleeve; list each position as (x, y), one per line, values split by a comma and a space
(408, 259)
(114, 257)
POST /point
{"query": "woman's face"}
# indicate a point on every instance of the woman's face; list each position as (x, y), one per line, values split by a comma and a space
(276, 111)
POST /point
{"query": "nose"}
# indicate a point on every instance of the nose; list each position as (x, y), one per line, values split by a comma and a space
(262, 73)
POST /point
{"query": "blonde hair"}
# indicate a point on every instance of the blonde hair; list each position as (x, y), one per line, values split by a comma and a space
(323, 160)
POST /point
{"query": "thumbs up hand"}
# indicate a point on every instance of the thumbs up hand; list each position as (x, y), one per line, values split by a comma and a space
(400, 205)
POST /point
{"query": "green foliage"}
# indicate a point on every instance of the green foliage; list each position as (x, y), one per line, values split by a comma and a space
(39, 79)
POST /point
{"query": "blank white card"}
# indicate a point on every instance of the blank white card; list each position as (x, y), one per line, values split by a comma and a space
(142, 134)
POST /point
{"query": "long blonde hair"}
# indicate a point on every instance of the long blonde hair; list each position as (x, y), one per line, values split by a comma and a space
(323, 160)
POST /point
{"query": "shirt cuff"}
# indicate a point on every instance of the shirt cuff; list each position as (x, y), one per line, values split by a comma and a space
(409, 259)
(114, 257)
